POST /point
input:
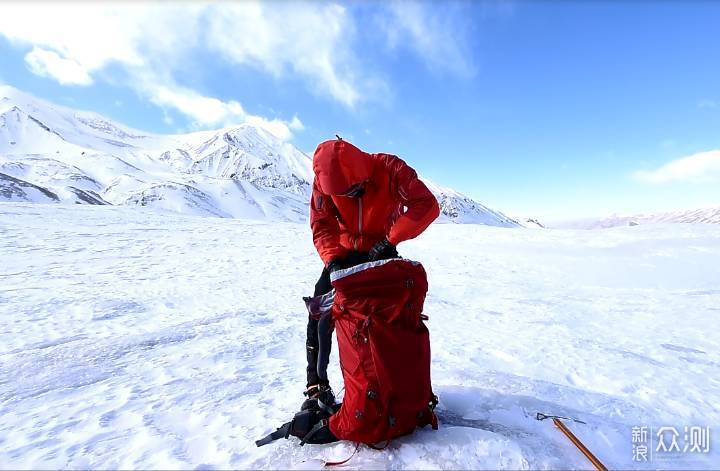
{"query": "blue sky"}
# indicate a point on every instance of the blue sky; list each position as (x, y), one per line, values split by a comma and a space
(548, 109)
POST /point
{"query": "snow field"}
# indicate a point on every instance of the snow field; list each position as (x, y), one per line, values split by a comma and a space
(134, 339)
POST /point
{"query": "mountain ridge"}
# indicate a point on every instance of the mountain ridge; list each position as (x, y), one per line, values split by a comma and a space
(708, 215)
(238, 171)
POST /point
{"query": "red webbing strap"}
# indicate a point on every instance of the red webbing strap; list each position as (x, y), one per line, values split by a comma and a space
(338, 463)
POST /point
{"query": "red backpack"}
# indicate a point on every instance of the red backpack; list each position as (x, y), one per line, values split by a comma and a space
(384, 349)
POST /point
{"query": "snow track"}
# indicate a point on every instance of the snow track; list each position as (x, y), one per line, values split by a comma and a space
(134, 339)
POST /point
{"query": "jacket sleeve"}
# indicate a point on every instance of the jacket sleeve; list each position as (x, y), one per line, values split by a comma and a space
(325, 226)
(419, 207)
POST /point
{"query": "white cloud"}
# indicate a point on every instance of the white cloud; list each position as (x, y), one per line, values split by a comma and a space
(49, 64)
(205, 110)
(212, 112)
(152, 43)
(89, 34)
(311, 40)
(706, 103)
(437, 32)
(296, 124)
(702, 167)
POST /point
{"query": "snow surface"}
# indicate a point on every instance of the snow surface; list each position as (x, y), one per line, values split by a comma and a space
(132, 339)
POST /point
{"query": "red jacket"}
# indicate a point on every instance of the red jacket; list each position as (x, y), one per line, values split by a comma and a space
(396, 204)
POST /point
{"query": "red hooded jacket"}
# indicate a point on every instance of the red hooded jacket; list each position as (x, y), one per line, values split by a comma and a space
(395, 205)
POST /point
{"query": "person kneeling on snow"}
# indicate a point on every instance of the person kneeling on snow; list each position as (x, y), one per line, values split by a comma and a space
(362, 206)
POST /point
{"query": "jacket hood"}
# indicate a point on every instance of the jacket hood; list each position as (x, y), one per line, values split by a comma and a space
(338, 165)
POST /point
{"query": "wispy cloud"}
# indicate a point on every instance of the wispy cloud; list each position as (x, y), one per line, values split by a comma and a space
(50, 64)
(311, 40)
(437, 33)
(209, 111)
(702, 167)
(75, 43)
(153, 45)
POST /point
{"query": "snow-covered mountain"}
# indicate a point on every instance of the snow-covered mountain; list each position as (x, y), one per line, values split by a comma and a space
(456, 207)
(241, 171)
(705, 215)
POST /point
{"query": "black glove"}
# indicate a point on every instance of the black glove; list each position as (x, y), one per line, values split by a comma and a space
(382, 250)
(334, 265)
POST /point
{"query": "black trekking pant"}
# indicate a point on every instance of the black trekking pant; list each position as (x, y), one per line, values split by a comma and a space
(321, 287)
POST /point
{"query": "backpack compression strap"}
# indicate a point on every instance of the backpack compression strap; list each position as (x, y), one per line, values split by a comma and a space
(316, 428)
(282, 432)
